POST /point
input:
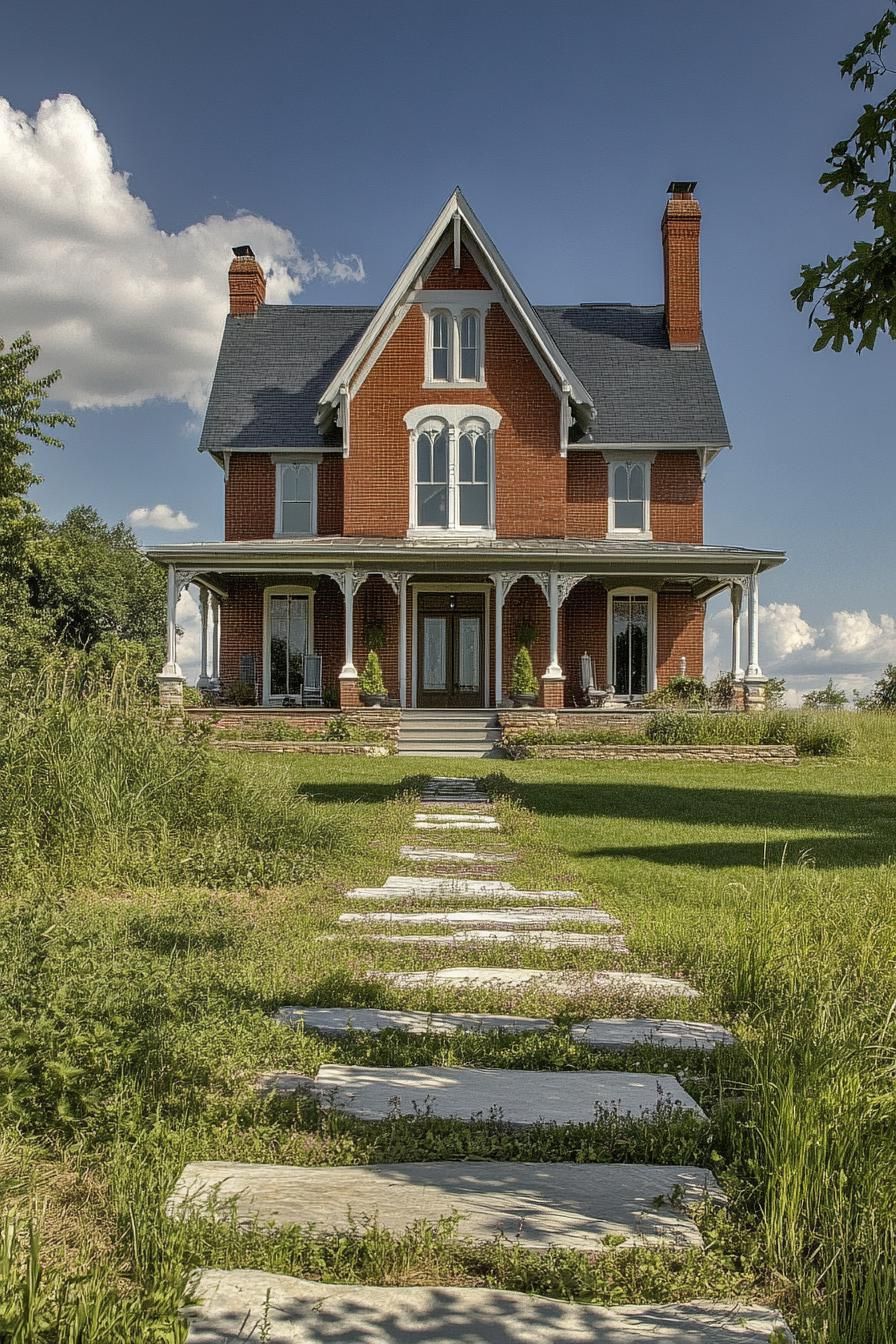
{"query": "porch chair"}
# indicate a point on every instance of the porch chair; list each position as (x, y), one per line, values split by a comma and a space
(312, 691)
(594, 697)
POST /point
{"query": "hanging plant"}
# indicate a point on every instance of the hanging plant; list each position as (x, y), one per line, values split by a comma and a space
(375, 636)
(526, 633)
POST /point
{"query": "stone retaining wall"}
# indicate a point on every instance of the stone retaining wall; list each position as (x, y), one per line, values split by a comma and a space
(384, 721)
(307, 748)
(573, 720)
(600, 751)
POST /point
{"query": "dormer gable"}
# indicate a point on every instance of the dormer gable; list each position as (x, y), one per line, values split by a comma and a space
(457, 257)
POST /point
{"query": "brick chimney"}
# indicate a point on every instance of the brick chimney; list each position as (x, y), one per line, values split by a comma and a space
(681, 266)
(247, 283)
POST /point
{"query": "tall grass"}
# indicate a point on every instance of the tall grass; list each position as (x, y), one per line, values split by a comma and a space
(95, 788)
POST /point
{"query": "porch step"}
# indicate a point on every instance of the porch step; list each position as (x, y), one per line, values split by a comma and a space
(449, 732)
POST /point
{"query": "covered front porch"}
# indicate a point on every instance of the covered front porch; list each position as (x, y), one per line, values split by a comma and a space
(447, 621)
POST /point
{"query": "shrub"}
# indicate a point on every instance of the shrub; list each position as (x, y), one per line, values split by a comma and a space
(240, 693)
(523, 680)
(371, 681)
(810, 736)
(680, 691)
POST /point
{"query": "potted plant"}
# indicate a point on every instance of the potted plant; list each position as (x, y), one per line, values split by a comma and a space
(523, 682)
(371, 686)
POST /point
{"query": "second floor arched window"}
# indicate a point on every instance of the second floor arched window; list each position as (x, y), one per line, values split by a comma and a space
(452, 468)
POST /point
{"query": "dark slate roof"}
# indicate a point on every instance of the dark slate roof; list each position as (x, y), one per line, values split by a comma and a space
(273, 368)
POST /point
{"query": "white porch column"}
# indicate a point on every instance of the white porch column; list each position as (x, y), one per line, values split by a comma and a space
(403, 640)
(349, 671)
(171, 668)
(500, 591)
(753, 668)
(554, 669)
(203, 637)
(737, 593)
(216, 659)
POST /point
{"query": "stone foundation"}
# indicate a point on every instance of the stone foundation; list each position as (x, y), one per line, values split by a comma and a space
(598, 751)
(383, 721)
(309, 748)
(171, 691)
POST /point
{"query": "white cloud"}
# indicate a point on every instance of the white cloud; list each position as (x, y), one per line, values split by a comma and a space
(161, 516)
(188, 641)
(127, 311)
(784, 631)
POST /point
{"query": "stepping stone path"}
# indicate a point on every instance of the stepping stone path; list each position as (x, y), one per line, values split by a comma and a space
(508, 916)
(588, 1207)
(243, 1304)
(591, 1207)
(567, 983)
(482, 859)
(520, 1097)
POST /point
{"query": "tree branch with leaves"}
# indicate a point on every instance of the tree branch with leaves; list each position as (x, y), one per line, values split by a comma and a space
(855, 295)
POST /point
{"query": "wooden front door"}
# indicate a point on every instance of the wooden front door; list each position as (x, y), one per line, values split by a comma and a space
(450, 650)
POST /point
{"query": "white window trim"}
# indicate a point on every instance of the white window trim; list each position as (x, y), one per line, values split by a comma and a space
(456, 304)
(282, 590)
(454, 418)
(645, 461)
(280, 461)
(624, 590)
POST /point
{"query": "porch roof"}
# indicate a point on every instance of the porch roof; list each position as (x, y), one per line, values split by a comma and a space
(708, 567)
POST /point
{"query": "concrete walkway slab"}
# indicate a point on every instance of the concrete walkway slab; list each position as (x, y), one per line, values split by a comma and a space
(590, 1207)
(341, 1021)
(545, 938)
(617, 1033)
(456, 824)
(463, 886)
(450, 890)
(507, 916)
(514, 1096)
(243, 1304)
(475, 858)
(552, 982)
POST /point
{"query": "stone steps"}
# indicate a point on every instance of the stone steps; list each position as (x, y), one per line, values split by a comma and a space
(518, 1097)
(609, 1033)
(448, 889)
(242, 1304)
(591, 1207)
(544, 938)
(474, 858)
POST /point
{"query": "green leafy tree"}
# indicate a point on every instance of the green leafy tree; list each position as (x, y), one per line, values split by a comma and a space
(826, 697)
(883, 695)
(92, 580)
(855, 294)
(23, 422)
(775, 689)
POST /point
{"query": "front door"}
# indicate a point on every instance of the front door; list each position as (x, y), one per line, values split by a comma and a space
(450, 650)
(631, 646)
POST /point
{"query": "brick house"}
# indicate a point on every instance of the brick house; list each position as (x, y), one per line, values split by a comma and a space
(456, 471)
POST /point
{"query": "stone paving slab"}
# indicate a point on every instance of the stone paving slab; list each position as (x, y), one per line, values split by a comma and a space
(519, 1097)
(475, 858)
(461, 824)
(243, 1304)
(590, 1207)
(471, 818)
(449, 890)
(544, 938)
(505, 916)
(617, 1033)
(553, 982)
(464, 886)
(341, 1021)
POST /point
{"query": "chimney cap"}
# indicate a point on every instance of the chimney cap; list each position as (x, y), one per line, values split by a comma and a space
(680, 188)
(244, 250)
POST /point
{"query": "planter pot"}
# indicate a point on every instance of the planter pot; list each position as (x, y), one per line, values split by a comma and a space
(372, 701)
(525, 701)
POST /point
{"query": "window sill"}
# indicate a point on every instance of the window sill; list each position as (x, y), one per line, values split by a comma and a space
(294, 536)
(625, 534)
(453, 385)
(446, 533)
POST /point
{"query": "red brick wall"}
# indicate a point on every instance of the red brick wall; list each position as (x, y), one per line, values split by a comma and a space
(586, 495)
(444, 276)
(676, 497)
(526, 603)
(376, 604)
(584, 630)
(531, 475)
(241, 628)
(679, 634)
(250, 494)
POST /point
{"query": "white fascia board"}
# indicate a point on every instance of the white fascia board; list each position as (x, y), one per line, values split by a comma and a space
(403, 287)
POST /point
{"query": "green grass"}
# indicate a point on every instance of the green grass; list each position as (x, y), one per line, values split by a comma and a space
(135, 1000)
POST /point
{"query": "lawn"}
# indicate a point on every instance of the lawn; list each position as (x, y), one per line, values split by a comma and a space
(160, 901)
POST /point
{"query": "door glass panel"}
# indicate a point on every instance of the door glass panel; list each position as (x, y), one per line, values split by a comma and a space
(435, 661)
(289, 639)
(630, 645)
(466, 653)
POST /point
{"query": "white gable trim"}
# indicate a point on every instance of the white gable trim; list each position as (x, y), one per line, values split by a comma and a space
(403, 291)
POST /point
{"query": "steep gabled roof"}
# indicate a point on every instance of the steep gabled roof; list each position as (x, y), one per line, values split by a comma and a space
(273, 368)
(458, 216)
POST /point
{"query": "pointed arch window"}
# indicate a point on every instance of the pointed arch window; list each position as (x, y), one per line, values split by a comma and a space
(296, 499)
(454, 345)
(473, 475)
(432, 475)
(452, 468)
(440, 328)
(470, 347)
(629, 496)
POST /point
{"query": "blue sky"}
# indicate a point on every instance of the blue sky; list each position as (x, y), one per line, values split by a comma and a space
(341, 128)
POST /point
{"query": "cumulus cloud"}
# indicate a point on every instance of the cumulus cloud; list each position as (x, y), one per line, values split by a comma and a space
(784, 631)
(126, 310)
(161, 516)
